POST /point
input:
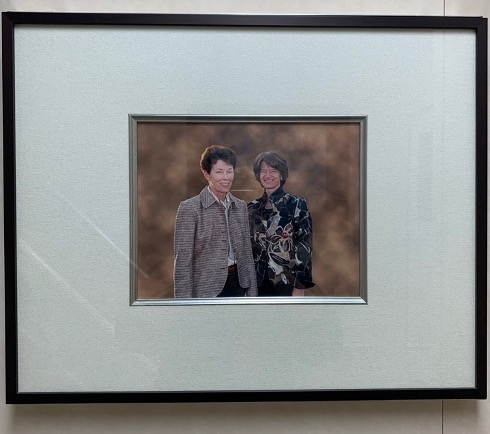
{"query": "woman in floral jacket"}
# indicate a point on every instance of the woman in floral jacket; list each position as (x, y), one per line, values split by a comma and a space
(282, 239)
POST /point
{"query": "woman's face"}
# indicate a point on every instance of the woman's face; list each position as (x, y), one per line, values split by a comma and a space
(270, 178)
(220, 178)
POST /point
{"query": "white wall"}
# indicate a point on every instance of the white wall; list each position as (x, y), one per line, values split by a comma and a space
(367, 417)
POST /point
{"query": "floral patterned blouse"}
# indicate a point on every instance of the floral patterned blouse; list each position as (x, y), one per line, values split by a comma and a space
(282, 239)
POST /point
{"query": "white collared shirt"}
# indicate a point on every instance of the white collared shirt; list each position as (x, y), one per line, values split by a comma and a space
(226, 204)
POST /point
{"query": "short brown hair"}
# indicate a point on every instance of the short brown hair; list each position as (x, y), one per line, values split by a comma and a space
(273, 159)
(214, 153)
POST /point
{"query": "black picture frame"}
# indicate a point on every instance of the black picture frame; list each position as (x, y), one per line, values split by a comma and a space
(10, 21)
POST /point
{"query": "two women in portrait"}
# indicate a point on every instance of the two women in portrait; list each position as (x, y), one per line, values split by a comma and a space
(226, 248)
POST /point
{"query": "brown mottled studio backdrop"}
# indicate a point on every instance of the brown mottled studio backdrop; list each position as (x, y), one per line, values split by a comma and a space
(323, 161)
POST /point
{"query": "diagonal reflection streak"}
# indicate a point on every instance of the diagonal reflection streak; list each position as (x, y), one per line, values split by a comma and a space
(58, 277)
(98, 230)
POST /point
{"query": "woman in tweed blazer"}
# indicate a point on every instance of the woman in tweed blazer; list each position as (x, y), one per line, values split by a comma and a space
(212, 246)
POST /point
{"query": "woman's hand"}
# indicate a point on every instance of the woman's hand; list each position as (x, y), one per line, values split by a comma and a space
(298, 292)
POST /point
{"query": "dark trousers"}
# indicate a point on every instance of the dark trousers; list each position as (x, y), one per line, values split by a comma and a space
(232, 286)
(280, 289)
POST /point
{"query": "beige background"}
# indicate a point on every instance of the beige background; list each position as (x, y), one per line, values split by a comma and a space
(367, 417)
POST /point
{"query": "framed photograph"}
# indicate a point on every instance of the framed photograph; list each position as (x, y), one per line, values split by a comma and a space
(320, 152)
(244, 208)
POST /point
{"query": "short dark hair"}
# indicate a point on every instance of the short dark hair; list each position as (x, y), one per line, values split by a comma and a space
(273, 159)
(214, 153)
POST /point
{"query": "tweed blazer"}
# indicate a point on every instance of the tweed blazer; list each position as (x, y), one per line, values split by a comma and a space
(201, 246)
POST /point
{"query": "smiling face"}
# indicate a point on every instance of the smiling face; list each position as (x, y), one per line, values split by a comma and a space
(269, 177)
(220, 178)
